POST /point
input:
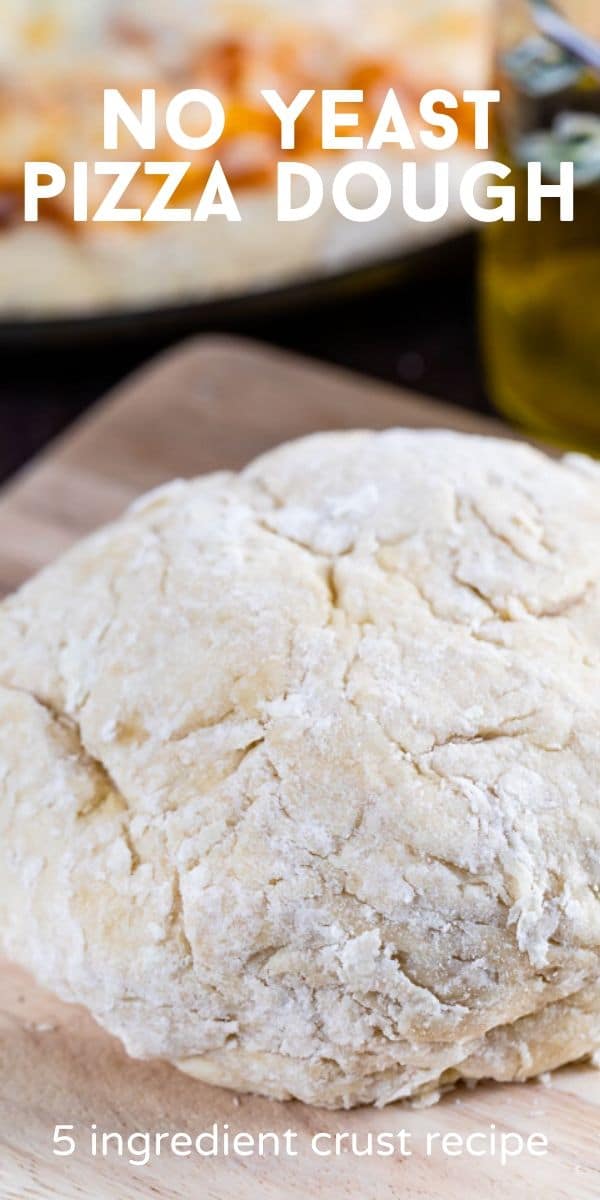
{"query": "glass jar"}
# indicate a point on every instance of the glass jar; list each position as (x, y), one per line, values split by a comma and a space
(540, 282)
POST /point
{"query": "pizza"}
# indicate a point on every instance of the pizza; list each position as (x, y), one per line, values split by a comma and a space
(58, 56)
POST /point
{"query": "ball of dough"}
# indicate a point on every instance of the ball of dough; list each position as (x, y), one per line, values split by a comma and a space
(300, 769)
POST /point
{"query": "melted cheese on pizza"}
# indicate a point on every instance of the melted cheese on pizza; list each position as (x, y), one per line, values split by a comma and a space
(57, 56)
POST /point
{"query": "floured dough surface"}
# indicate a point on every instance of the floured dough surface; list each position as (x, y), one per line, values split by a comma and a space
(300, 769)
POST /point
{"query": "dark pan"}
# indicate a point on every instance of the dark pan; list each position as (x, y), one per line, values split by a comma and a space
(232, 311)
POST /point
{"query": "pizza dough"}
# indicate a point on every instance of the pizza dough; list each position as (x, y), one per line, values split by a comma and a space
(300, 769)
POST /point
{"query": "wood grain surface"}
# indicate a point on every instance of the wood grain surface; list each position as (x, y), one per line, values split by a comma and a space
(208, 405)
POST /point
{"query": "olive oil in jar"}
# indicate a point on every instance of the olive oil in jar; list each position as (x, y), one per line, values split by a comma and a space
(540, 282)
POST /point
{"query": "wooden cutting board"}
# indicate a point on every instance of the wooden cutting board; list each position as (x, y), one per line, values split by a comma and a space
(216, 403)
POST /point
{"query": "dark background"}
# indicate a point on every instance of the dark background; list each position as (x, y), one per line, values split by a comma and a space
(418, 329)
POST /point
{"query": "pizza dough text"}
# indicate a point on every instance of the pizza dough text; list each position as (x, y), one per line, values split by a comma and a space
(361, 189)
